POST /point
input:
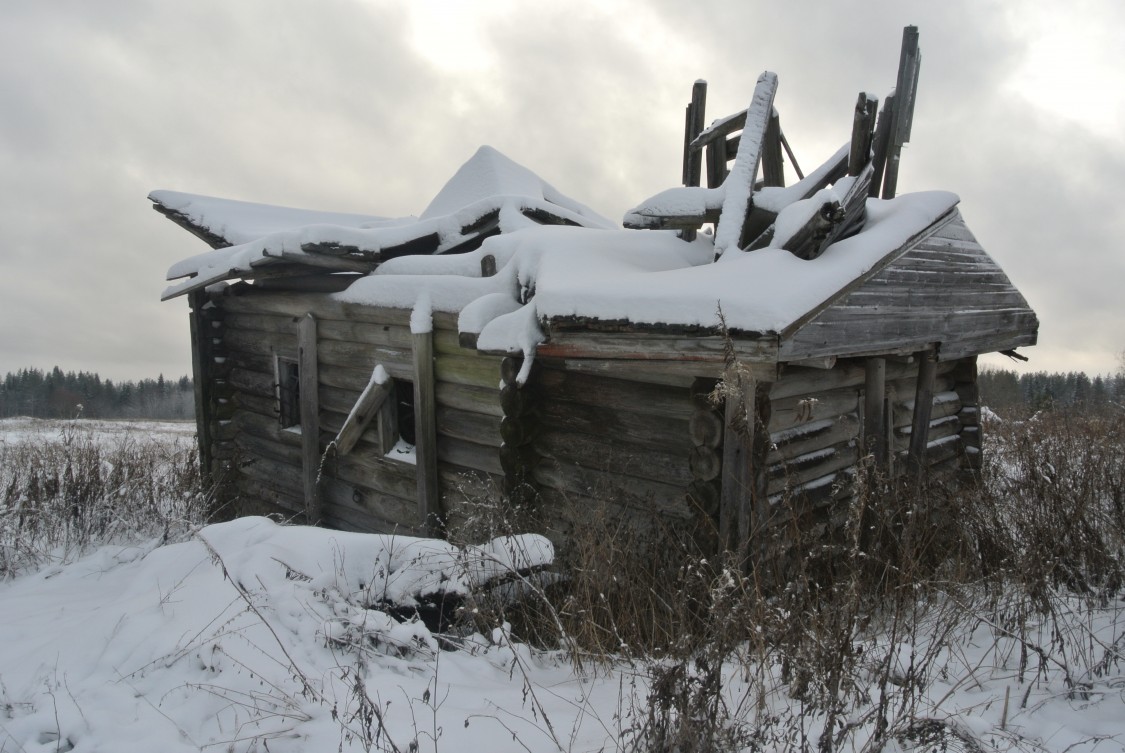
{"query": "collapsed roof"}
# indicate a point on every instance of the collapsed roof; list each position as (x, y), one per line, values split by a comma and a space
(816, 268)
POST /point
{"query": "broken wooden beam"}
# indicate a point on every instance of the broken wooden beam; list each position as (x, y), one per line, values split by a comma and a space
(365, 409)
(733, 227)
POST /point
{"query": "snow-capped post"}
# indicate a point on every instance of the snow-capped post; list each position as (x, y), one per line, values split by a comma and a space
(739, 184)
(310, 416)
(425, 416)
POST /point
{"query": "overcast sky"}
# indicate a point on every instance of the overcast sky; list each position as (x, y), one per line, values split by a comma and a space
(370, 106)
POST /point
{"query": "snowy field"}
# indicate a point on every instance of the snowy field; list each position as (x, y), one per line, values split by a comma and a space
(250, 636)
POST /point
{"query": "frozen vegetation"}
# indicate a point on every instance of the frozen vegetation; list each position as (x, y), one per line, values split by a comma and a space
(972, 620)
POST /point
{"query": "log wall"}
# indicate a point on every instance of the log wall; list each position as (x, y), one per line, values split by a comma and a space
(615, 444)
(363, 490)
(642, 446)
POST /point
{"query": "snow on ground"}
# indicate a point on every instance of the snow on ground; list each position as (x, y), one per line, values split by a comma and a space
(222, 639)
(16, 430)
(252, 631)
(251, 636)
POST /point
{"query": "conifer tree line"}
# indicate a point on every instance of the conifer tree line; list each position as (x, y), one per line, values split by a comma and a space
(1013, 395)
(59, 394)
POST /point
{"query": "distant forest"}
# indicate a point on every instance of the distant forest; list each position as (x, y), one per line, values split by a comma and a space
(1013, 395)
(58, 394)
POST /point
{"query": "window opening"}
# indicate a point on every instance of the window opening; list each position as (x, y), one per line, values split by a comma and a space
(288, 393)
(404, 405)
(397, 423)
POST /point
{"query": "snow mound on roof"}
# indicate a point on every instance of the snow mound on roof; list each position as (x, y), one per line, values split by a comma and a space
(643, 277)
(489, 173)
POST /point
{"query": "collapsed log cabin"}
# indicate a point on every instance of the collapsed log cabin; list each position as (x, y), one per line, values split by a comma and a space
(733, 351)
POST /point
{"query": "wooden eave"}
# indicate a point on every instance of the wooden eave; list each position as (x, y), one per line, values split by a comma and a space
(205, 234)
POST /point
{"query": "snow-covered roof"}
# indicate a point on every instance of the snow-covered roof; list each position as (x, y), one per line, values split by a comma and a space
(489, 194)
(227, 222)
(640, 278)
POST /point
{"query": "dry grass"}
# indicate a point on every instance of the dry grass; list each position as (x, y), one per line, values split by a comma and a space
(63, 493)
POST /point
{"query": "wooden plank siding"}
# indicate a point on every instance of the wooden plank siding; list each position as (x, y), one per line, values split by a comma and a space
(817, 433)
(944, 289)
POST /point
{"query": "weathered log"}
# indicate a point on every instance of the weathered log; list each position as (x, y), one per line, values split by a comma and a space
(706, 428)
(660, 499)
(793, 411)
(705, 495)
(642, 430)
(482, 400)
(475, 370)
(829, 432)
(469, 456)
(845, 456)
(705, 463)
(620, 394)
(518, 430)
(515, 400)
(610, 453)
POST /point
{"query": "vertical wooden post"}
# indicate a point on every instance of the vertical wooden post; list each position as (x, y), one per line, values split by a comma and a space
(968, 390)
(693, 126)
(909, 64)
(879, 145)
(863, 124)
(773, 166)
(736, 470)
(875, 381)
(743, 507)
(201, 378)
(923, 406)
(425, 432)
(310, 416)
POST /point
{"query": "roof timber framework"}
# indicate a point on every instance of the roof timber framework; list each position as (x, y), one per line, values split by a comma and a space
(741, 145)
